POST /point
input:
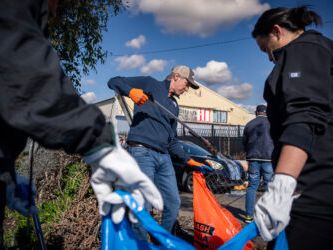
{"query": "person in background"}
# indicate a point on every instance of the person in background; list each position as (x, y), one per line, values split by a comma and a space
(299, 96)
(153, 133)
(38, 101)
(258, 146)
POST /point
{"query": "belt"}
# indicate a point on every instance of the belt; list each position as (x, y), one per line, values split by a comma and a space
(141, 145)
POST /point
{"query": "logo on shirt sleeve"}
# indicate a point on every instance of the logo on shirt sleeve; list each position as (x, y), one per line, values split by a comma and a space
(294, 74)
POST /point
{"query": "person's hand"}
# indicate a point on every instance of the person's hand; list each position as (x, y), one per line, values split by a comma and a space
(272, 211)
(138, 96)
(17, 194)
(197, 166)
(115, 167)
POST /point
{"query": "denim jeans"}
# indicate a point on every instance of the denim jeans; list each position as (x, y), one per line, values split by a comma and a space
(256, 170)
(158, 167)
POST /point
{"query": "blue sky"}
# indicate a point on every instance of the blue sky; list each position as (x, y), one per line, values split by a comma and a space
(237, 69)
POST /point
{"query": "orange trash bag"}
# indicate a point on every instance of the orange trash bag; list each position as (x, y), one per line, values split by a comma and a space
(213, 224)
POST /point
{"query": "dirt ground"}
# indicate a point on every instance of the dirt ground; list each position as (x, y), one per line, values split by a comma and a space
(234, 202)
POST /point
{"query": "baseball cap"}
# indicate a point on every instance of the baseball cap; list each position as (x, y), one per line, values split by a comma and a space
(261, 108)
(187, 73)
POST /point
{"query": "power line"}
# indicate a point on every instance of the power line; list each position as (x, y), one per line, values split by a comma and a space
(184, 48)
(192, 47)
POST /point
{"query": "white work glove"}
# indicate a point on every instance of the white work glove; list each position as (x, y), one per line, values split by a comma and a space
(272, 211)
(115, 167)
(17, 194)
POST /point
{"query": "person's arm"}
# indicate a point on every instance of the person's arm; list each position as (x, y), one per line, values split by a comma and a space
(176, 151)
(123, 85)
(291, 161)
(134, 87)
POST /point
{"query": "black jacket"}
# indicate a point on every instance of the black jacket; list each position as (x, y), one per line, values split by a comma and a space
(36, 98)
(299, 94)
(151, 125)
(257, 141)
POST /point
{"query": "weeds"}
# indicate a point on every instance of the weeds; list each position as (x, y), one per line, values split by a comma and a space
(19, 231)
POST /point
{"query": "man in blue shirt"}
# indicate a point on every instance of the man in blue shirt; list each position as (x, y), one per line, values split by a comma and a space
(153, 133)
(258, 147)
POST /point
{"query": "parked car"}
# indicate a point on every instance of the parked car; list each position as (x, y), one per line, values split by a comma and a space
(227, 172)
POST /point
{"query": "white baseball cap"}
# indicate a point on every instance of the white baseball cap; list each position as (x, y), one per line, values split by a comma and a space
(187, 73)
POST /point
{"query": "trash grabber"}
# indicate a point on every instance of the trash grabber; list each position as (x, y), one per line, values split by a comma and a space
(24, 190)
(207, 143)
(30, 196)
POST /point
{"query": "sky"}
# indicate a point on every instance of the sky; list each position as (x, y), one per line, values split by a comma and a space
(213, 37)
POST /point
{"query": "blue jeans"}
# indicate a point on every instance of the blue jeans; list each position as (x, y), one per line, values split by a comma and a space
(256, 170)
(158, 167)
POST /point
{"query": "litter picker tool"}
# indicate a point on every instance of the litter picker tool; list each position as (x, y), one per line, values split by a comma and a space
(34, 215)
(207, 143)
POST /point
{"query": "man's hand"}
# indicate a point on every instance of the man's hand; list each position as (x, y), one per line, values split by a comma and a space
(138, 96)
(197, 166)
(115, 167)
(272, 211)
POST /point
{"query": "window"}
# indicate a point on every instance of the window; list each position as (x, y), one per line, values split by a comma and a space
(187, 114)
(220, 116)
(204, 115)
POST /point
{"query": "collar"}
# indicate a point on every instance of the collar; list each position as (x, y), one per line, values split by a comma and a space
(303, 37)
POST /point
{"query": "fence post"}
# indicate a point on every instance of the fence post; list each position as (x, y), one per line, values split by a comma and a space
(213, 131)
(238, 131)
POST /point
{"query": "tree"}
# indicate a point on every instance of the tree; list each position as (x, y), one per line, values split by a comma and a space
(76, 33)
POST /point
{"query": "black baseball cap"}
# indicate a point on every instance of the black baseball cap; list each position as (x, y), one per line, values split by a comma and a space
(261, 108)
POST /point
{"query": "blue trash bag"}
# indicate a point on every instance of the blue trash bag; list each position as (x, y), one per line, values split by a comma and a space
(248, 233)
(122, 237)
(234, 169)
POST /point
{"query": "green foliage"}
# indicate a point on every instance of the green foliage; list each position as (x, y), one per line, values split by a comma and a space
(76, 33)
(49, 211)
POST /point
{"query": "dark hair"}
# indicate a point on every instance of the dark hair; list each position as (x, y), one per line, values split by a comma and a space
(261, 108)
(292, 19)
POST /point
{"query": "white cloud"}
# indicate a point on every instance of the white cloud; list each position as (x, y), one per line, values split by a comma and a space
(130, 62)
(236, 92)
(213, 72)
(156, 65)
(137, 42)
(89, 97)
(250, 108)
(198, 17)
(90, 82)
